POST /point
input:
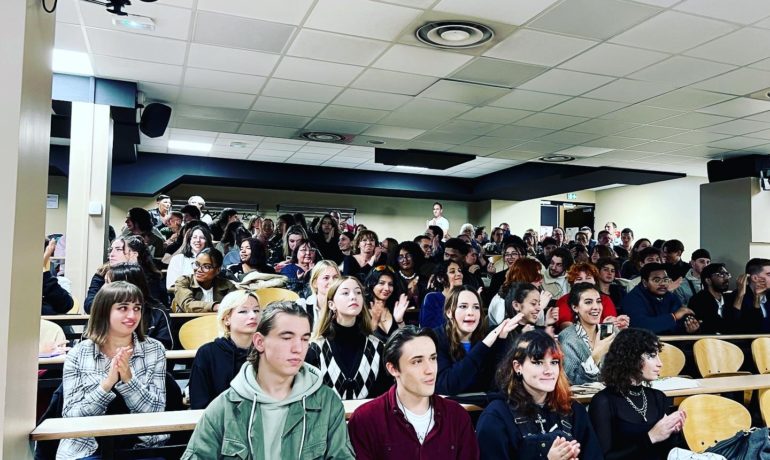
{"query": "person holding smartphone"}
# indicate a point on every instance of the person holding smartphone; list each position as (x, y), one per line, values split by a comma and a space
(587, 341)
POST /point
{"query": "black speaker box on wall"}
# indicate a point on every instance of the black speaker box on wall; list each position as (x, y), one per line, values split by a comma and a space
(155, 119)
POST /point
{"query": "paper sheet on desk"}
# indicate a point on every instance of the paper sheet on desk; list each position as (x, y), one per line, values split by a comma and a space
(587, 388)
(674, 383)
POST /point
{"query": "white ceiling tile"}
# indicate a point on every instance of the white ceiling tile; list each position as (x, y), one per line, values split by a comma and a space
(336, 126)
(660, 147)
(324, 149)
(739, 82)
(738, 107)
(171, 22)
(625, 90)
(133, 46)
(696, 137)
(581, 106)
(603, 127)
(515, 155)
(651, 132)
(287, 106)
(311, 92)
(327, 46)
(550, 121)
(765, 116)
(422, 61)
(285, 11)
(239, 32)
(565, 82)
(540, 48)
(192, 135)
(583, 152)
(277, 119)
(338, 112)
(497, 72)
(737, 142)
(480, 151)
(680, 71)
(231, 60)
(623, 155)
(740, 11)
(393, 132)
(424, 113)
(673, 32)
(699, 151)
(495, 115)
(761, 65)
(362, 18)
(279, 147)
(151, 148)
(131, 70)
(467, 127)
(69, 36)
(213, 79)
(568, 137)
(528, 100)
(338, 164)
(410, 3)
(491, 142)
(468, 93)
(67, 12)
(393, 82)
(692, 121)
(614, 142)
(641, 114)
(738, 127)
(590, 18)
(742, 47)
(615, 60)
(213, 98)
(687, 99)
(516, 12)
(371, 99)
(541, 148)
(215, 113)
(519, 132)
(328, 73)
(229, 155)
(272, 131)
(446, 137)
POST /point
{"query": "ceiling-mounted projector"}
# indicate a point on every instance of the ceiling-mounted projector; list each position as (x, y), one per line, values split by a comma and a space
(115, 6)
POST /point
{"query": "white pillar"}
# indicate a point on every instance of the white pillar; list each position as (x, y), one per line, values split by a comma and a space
(26, 43)
(89, 185)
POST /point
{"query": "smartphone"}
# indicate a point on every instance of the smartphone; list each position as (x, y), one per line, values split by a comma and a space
(606, 330)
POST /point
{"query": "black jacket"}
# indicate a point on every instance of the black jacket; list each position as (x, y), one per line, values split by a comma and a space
(56, 300)
(215, 365)
(154, 283)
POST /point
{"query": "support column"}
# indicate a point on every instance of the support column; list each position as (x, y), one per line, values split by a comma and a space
(88, 193)
(26, 41)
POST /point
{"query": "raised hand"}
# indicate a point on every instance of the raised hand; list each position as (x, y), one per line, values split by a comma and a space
(400, 308)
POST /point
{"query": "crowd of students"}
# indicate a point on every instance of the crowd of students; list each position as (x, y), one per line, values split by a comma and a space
(400, 323)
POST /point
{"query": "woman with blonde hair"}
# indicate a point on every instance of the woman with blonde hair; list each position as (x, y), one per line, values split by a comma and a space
(323, 274)
(217, 362)
(344, 348)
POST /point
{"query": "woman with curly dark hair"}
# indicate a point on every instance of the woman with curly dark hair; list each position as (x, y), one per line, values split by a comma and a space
(630, 417)
(409, 261)
(535, 416)
(386, 302)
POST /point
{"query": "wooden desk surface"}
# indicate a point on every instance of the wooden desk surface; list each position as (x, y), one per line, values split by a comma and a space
(162, 422)
(62, 318)
(170, 355)
(683, 338)
(711, 386)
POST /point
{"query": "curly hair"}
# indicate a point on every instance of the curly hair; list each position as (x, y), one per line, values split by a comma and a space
(533, 345)
(456, 349)
(523, 270)
(623, 362)
(581, 267)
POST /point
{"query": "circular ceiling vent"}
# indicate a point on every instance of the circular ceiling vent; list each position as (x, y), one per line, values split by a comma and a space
(454, 34)
(323, 137)
(557, 158)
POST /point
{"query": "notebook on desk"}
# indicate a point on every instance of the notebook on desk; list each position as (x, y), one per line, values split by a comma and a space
(674, 383)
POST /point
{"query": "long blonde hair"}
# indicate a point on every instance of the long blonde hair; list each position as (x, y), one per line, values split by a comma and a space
(363, 320)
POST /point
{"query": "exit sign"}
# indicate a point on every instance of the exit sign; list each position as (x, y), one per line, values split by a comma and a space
(572, 196)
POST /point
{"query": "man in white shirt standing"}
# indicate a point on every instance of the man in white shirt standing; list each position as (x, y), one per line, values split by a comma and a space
(438, 218)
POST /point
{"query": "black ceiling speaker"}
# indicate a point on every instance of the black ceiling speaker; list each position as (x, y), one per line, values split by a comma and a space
(155, 119)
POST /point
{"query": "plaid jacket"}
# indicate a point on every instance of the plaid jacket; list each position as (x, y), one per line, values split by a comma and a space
(84, 369)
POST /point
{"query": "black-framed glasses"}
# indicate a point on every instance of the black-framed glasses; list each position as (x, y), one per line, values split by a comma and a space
(404, 257)
(203, 268)
(665, 280)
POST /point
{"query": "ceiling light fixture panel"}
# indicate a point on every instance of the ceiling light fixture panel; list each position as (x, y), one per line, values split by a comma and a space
(454, 34)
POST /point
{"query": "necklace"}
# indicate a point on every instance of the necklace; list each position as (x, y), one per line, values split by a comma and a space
(640, 410)
(420, 437)
(407, 277)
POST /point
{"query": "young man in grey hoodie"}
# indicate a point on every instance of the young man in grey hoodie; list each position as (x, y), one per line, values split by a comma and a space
(277, 406)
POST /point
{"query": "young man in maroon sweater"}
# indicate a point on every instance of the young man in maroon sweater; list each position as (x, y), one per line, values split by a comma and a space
(409, 421)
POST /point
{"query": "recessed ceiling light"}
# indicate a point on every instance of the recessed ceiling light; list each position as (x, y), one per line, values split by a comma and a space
(323, 137)
(239, 144)
(134, 22)
(72, 62)
(189, 146)
(454, 34)
(375, 142)
(557, 158)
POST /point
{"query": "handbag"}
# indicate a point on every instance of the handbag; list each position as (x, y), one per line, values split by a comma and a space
(744, 445)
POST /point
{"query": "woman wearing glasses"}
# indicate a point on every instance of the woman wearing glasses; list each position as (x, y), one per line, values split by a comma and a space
(196, 239)
(303, 259)
(628, 416)
(409, 262)
(387, 304)
(204, 289)
(512, 251)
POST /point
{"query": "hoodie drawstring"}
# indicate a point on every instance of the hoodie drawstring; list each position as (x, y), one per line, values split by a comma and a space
(304, 427)
(251, 424)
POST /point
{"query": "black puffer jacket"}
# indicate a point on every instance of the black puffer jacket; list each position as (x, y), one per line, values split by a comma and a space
(215, 365)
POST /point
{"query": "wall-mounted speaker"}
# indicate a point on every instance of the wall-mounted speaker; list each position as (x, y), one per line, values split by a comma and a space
(155, 119)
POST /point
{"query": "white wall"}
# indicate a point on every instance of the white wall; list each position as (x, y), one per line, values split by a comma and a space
(666, 210)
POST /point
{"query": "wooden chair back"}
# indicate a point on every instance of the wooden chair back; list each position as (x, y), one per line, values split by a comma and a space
(711, 419)
(760, 350)
(717, 357)
(198, 331)
(76, 307)
(673, 360)
(764, 404)
(268, 295)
